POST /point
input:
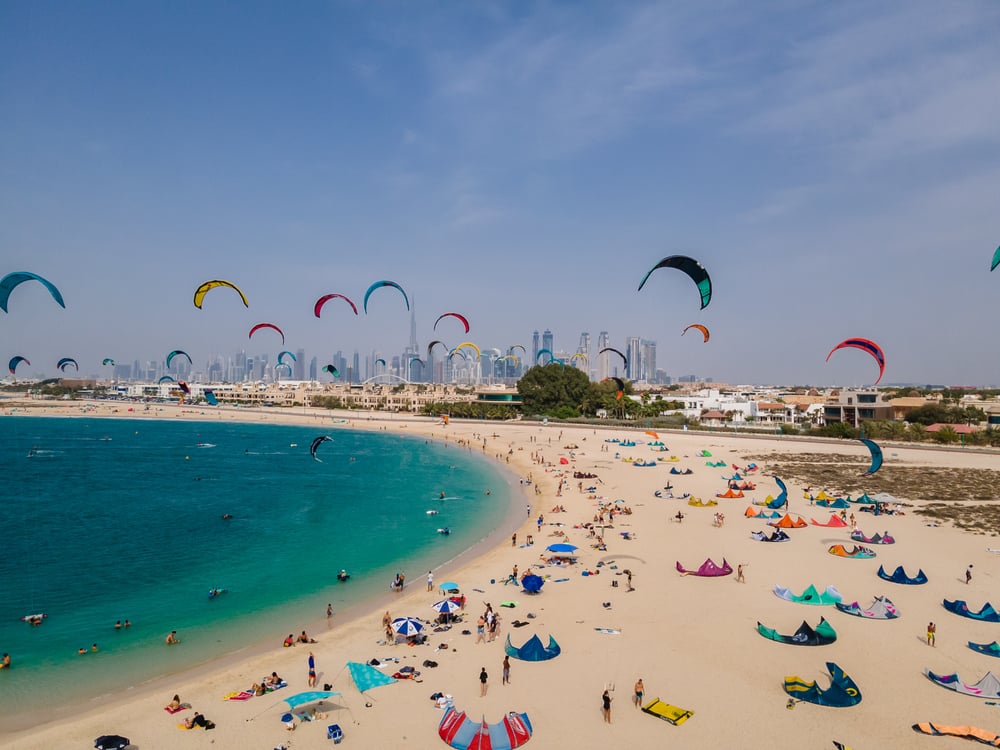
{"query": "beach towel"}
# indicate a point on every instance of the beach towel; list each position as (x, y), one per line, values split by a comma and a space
(965, 732)
(182, 707)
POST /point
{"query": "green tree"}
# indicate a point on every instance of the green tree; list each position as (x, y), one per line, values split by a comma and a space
(916, 432)
(548, 388)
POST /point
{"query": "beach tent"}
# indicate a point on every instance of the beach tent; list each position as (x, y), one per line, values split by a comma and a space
(668, 713)
(881, 609)
(822, 635)
(308, 697)
(863, 500)
(460, 732)
(990, 649)
(987, 687)
(843, 691)
(532, 583)
(859, 536)
(839, 503)
(835, 522)
(899, 576)
(856, 552)
(810, 595)
(823, 496)
(959, 607)
(534, 650)
(708, 569)
(964, 732)
(787, 522)
(778, 536)
(367, 677)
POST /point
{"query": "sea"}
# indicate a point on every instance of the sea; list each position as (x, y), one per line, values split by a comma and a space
(108, 520)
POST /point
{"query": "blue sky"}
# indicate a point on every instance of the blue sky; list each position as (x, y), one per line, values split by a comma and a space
(835, 166)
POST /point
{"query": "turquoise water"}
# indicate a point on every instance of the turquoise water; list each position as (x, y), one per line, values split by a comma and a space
(107, 520)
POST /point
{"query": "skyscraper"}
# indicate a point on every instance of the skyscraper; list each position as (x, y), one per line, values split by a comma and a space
(534, 347)
(603, 360)
(547, 340)
(584, 349)
(634, 354)
(648, 360)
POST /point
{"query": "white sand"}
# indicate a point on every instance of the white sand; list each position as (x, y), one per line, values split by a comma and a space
(692, 640)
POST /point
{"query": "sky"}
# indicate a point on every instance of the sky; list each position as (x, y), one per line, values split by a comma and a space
(834, 166)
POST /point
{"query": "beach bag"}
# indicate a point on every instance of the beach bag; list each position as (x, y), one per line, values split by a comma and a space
(430, 664)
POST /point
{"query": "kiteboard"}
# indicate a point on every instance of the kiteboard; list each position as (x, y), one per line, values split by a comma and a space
(610, 631)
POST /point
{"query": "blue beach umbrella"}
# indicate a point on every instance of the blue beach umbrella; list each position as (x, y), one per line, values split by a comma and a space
(407, 625)
(561, 548)
(446, 607)
(449, 586)
(532, 583)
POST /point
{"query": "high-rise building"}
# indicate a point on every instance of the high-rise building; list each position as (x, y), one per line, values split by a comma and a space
(648, 360)
(299, 365)
(534, 347)
(314, 369)
(603, 360)
(356, 367)
(547, 341)
(584, 349)
(634, 354)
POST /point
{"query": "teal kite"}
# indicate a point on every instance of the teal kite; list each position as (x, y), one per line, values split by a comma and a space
(11, 280)
(692, 268)
(379, 285)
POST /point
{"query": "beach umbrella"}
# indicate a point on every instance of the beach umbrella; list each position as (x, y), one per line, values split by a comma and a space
(449, 586)
(561, 548)
(308, 697)
(446, 607)
(532, 583)
(407, 625)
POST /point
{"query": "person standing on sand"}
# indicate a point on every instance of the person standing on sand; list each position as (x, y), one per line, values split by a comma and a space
(931, 634)
(430, 580)
(483, 682)
(506, 670)
(312, 670)
(968, 575)
(640, 691)
(606, 706)
(739, 574)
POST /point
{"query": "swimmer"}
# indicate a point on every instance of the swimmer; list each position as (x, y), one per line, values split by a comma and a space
(171, 638)
(5, 663)
(93, 647)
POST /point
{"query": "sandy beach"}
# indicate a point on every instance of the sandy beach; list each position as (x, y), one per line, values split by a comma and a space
(692, 640)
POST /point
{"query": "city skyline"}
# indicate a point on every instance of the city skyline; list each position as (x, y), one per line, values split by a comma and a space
(834, 167)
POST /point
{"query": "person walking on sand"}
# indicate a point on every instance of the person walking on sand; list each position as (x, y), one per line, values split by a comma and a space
(483, 681)
(329, 611)
(931, 634)
(312, 670)
(640, 691)
(739, 574)
(430, 580)
(506, 670)
(606, 706)
(968, 575)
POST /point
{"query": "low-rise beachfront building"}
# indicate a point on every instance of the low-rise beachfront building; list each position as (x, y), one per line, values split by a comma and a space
(855, 407)
(903, 405)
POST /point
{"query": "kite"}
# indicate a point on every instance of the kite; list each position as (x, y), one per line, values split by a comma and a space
(11, 280)
(704, 331)
(15, 361)
(184, 387)
(517, 346)
(210, 397)
(430, 347)
(285, 365)
(471, 346)
(993, 265)
(876, 456)
(272, 326)
(455, 351)
(552, 357)
(164, 379)
(281, 357)
(866, 346)
(579, 355)
(609, 349)
(316, 443)
(332, 370)
(464, 321)
(692, 268)
(201, 291)
(417, 359)
(317, 308)
(65, 362)
(178, 352)
(621, 387)
(382, 360)
(108, 361)
(380, 284)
